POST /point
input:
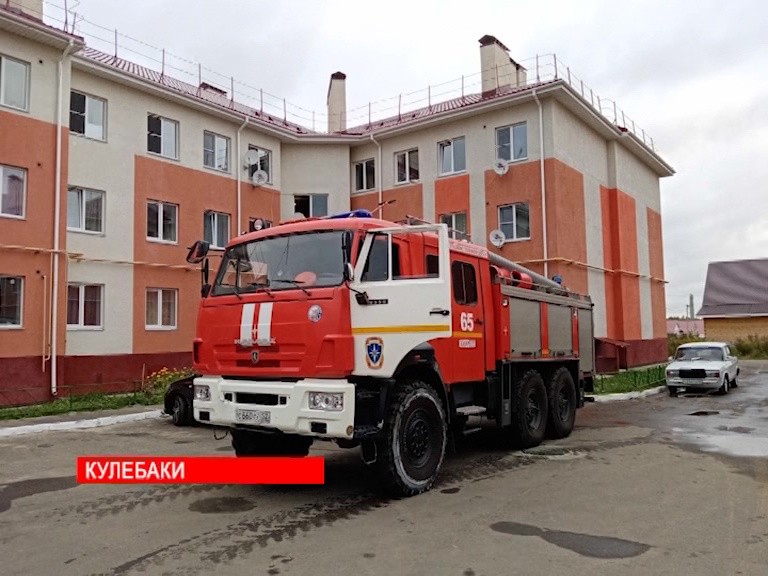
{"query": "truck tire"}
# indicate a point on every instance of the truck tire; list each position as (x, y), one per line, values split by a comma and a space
(562, 404)
(529, 411)
(412, 448)
(250, 443)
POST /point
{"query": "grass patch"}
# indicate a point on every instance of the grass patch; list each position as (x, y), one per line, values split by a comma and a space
(150, 393)
(634, 380)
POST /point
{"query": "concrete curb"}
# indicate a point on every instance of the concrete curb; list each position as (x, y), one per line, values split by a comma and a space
(78, 424)
(602, 398)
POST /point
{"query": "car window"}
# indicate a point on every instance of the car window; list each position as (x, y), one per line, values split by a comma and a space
(699, 353)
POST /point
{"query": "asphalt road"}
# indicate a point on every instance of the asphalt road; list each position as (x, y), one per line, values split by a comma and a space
(651, 486)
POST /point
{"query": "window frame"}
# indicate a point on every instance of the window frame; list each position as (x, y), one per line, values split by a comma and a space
(161, 207)
(311, 204)
(160, 327)
(20, 325)
(362, 165)
(464, 301)
(407, 154)
(162, 139)
(23, 215)
(27, 83)
(266, 154)
(82, 229)
(216, 138)
(80, 326)
(511, 129)
(440, 147)
(215, 228)
(453, 232)
(88, 98)
(514, 221)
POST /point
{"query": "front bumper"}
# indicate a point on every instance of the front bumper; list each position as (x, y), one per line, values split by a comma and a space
(294, 416)
(695, 383)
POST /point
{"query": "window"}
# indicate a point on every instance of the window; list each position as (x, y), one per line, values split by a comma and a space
(407, 166)
(216, 229)
(365, 175)
(514, 221)
(14, 83)
(161, 309)
(311, 205)
(161, 221)
(85, 210)
(452, 156)
(162, 136)
(87, 115)
(215, 151)
(84, 306)
(464, 283)
(12, 183)
(11, 296)
(457, 225)
(263, 162)
(512, 142)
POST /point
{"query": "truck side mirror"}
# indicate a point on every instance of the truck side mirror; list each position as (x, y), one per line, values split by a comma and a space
(197, 252)
(349, 272)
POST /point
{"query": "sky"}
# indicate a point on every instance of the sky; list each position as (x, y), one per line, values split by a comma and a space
(692, 74)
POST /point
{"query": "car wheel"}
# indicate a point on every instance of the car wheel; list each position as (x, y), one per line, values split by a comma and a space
(734, 383)
(180, 411)
(726, 385)
(672, 391)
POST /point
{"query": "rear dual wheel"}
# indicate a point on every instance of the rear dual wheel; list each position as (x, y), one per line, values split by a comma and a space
(530, 411)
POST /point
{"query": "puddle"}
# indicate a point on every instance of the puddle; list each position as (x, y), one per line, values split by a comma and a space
(704, 413)
(606, 547)
(24, 488)
(223, 505)
(744, 446)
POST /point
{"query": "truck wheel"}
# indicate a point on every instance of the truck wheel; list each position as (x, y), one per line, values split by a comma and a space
(562, 404)
(250, 443)
(529, 411)
(180, 411)
(412, 449)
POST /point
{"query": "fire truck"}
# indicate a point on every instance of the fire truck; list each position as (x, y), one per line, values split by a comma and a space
(390, 337)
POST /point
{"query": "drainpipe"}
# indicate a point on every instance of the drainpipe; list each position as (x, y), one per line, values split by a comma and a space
(237, 171)
(543, 185)
(57, 225)
(379, 179)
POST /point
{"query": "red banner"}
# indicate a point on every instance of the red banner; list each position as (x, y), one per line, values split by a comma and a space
(200, 470)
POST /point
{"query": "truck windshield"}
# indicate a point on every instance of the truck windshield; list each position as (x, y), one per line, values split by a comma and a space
(291, 262)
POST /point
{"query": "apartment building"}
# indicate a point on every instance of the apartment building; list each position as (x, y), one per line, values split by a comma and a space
(99, 204)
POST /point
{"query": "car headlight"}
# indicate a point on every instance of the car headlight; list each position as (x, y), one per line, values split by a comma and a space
(673, 373)
(330, 402)
(202, 392)
(713, 373)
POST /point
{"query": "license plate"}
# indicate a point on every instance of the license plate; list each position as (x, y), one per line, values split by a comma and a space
(252, 416)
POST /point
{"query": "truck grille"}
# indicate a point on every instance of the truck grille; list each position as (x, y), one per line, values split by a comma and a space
(693, 373)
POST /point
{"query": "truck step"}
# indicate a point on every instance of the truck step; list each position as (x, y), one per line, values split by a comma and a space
(471, 410)
(468, 431)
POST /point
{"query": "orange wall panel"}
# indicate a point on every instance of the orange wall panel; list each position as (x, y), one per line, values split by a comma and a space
(452, 195)
(408, 202)
(656, 257)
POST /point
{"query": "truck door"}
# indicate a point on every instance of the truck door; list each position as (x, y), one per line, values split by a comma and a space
(397, 304)
(467, 345)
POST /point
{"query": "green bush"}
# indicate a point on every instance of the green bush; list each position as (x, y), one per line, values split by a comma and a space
(752, 347)
(631, 380)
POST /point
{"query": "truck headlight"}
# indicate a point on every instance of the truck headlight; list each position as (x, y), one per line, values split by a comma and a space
(713, 373)
(202, 392)
(673, 373)
(328, 401)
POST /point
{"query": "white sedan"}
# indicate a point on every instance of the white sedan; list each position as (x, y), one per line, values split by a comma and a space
(702, 366)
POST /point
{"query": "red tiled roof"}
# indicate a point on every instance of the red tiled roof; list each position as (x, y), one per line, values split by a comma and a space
(441, 107)
(190, 90)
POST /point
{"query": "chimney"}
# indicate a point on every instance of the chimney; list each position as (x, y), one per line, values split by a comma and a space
(32, 8)
(337, 102)
(498, 70)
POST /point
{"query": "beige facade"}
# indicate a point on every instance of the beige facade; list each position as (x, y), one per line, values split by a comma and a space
(732, 329)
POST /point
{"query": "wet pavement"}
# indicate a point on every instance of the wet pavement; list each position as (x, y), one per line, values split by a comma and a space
(656, 485)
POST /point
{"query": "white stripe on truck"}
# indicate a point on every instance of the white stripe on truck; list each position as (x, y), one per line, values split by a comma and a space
(265, 324)
(246, 322)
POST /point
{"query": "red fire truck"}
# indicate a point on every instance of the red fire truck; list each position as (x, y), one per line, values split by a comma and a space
(384, 336)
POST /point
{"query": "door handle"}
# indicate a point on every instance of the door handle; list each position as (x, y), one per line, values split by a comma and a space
(439, 311)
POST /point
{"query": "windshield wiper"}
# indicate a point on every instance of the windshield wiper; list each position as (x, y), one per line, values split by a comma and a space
(295, 283)
(263, 286)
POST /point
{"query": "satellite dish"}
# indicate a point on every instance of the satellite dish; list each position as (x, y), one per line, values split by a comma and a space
(500, 166)
(299, 216)
(250, 158)
(259, 177)
(497, 238)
